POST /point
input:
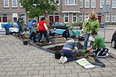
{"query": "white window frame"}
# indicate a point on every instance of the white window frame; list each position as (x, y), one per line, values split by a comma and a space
(108, 2)
(87, 1)
(113, 3)
(81, 3)
(93, 3)
(73, 17)
(14, 15)
(5, 3)
(101, 3)
(86, 16)
(107, 15)
(66, 16)
(81, 17)
(113, 18)
(67, 2)
(13, 3)
(58, 3)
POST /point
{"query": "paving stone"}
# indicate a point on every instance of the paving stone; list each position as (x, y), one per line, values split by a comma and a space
(106, 73)
(95, 74)
(54, 71)
(19, 69)
(22, 73)
(72, 75)
(44, 72)
(38, 76)
(39, 68)
(11, 73)
(49, 68)
(33, 73)
(60, 75)
(76, 70)
(8, 69)
(83, 74)
(49, 75)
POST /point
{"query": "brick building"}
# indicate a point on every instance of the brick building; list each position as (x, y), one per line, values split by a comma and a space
(69, 11)
(10, 10)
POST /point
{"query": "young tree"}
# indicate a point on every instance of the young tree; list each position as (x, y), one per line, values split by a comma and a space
(36, 8)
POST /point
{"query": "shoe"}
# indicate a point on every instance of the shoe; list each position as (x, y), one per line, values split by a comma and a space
(49, 42)
(60, 60)
(64, 60)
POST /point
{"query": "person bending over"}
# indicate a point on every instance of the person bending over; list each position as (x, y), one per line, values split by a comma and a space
(67, 50)
(34, 35)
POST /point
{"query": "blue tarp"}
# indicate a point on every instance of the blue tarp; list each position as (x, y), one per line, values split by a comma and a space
(60, 31)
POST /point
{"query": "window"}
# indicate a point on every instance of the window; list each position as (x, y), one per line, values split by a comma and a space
(93, 3)
(66, 18)
(86, 3)
(113, 3)
(6, 3)
(113, 17)
(0, 19)
(107, 2)
(81, 3)
(107, 18)
(4, 17)
(70, 2)
(14, 3)
(81, 17)
(101, 3)
(58, 2)
(74, 18)
(14, 17)
(86, 15)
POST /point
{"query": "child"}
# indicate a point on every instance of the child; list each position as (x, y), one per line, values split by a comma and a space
(34, 35)
(66, 34)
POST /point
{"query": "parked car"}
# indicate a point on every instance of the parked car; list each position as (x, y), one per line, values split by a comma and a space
(59, 25)
(2, 30)
(14, 29)
(113, 40)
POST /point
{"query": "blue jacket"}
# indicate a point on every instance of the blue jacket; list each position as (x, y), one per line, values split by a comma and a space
(6, 24)
(31, 23)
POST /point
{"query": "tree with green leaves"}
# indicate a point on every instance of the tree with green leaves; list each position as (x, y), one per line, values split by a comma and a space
(36, 8)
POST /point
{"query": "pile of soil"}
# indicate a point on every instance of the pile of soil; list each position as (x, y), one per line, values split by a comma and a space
(80, 54)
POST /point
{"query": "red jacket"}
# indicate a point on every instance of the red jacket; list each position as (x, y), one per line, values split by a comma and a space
(41, 25)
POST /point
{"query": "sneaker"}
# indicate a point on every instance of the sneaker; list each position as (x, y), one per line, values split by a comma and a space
(60, 60)
(49, 42)
(64, 60)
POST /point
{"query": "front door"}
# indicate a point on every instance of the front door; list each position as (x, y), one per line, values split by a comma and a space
(56, 18)
(51, 20)
(99, 19)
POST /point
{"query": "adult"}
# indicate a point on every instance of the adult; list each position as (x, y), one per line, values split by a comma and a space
(43, 30)
(66, 34)
(67, 50)
(90, 24)
(101, 51)
(30, 26)
(20, 24)
(7, 26)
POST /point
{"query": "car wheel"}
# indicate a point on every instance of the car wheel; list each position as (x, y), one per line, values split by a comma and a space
(113, 44)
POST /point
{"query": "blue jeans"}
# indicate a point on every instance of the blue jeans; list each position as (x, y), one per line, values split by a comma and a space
(68, 54)
(43, 32)
(86, 41)
(30, 30)
(7, 30)
(20, 29)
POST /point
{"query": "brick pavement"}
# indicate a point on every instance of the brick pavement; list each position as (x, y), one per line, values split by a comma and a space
(18, 60)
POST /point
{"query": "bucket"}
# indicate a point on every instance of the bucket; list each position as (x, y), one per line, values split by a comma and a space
(25, 42)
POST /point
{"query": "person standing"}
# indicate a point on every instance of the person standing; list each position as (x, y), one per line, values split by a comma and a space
(90, 24)
(20, 24)
(7, 26)
(67, 50)
(43, 30)
(30, 26)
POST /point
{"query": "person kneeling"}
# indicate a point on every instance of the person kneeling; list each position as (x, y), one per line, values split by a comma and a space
(67, 50)
(66, 34)
(33, 36)
(101, 51)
